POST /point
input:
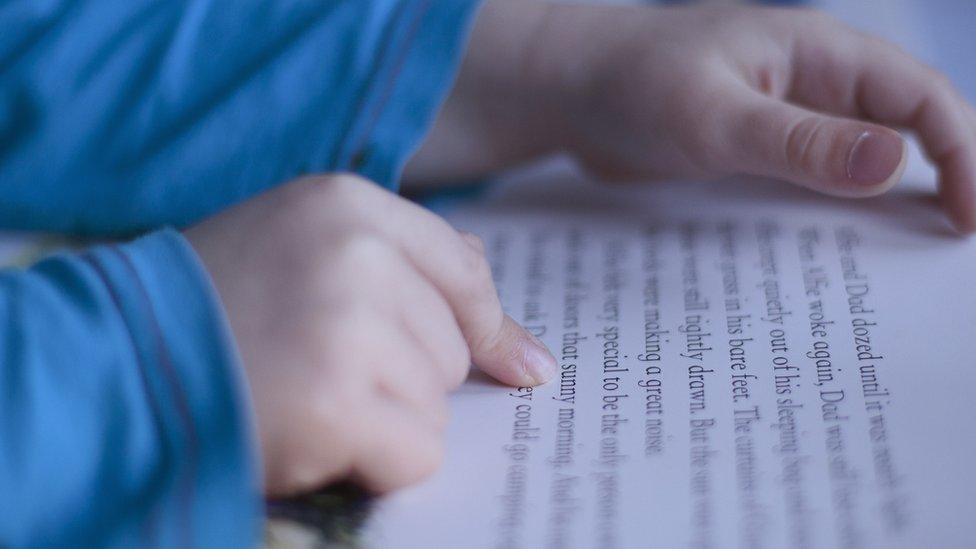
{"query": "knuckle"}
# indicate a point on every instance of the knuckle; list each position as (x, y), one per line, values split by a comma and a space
(351, 195)
(355, 270)
(312, 204)
(365, 253)
(292, 202)
(800, 143)
(341, 184)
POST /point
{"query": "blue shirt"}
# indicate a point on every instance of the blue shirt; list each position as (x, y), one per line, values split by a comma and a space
(124, 418)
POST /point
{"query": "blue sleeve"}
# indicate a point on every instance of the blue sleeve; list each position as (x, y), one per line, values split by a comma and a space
(123, 418)
(124, 116)
(122, 421)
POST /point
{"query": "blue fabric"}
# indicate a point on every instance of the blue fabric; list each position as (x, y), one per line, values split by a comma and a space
(150, 113)
(123, 421)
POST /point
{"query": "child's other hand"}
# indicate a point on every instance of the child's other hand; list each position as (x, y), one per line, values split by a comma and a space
(640, 93)
(355, 312)
(790, 94)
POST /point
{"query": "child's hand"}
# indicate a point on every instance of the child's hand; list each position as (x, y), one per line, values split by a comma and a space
(355, 312)
(643, 93)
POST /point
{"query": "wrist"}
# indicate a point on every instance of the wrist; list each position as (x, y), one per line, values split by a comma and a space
(543, 84)
(601, 66)
(568, 68)
(507, 85)
(549, 83)
(524, 88)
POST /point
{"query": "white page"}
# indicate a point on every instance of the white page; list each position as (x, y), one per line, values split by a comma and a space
(888, 465)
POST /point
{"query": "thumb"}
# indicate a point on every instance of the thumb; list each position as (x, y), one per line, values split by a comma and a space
(833, 155)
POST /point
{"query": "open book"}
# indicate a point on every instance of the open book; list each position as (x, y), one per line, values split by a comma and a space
(742, 364)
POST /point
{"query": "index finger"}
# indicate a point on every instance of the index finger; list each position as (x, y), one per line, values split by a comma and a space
(459, 270)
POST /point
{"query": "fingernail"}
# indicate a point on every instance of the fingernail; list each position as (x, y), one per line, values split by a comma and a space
(874, 157)
(540, 365)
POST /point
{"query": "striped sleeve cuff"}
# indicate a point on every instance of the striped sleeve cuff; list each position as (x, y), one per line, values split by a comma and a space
(168, 304)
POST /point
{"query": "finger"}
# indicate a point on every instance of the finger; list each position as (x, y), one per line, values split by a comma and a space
(409, 378)
(498, 345)
(834, 155)
(396, 448)
(885, 85)
(428, 318)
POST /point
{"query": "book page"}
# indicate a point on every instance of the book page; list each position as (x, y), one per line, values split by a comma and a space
(742, 364)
